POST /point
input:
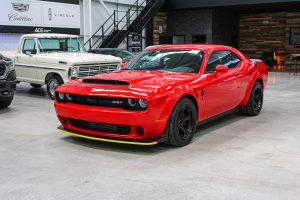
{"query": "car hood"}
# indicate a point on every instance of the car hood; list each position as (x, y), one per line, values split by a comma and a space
(130, 83)
(77, 58)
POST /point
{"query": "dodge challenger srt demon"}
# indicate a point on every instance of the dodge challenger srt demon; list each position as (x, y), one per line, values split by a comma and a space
(162, 94)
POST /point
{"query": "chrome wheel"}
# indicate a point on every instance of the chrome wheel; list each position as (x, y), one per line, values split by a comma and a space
(53, 85)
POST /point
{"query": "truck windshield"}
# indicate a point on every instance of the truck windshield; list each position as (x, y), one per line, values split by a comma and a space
(47, 45)
(168, 60)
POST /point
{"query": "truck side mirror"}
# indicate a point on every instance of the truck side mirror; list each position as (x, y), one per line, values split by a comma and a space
(29, 52)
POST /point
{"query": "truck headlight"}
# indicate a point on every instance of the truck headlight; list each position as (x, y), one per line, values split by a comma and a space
(74, 72)
(119, 67)
(10, 66)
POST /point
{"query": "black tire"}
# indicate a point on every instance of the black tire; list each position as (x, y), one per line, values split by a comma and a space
(5, 104)
(182, 123)
(255, 101)
(52, 84)
(35, 85)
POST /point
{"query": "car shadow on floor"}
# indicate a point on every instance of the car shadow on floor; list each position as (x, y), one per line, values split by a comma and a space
(218, 123)
(160, 148)
(5, 110)
(25, 90)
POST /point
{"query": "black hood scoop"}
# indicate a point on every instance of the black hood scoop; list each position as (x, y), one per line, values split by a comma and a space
(105, 82)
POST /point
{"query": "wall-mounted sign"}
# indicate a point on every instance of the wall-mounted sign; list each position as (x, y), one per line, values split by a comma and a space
(295, 36)
(41, 16)
(134, 42)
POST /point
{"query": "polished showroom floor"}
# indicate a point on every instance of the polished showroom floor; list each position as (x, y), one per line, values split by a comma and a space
(236, 157)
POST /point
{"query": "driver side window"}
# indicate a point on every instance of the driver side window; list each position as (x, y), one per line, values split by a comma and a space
(223, 57)
(29, 46)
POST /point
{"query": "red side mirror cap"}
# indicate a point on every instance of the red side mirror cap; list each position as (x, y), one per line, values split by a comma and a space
(222, 68)
(123, 64)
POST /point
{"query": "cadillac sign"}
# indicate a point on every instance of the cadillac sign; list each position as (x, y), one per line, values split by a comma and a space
(17, 16)
(21, 7)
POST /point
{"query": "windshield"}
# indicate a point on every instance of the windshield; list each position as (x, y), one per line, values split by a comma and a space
(60, 45)
(168, 60)
(126, 56)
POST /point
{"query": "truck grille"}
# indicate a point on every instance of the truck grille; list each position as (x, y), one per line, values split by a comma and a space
(2, 69)
(102, 127)
(92, 70)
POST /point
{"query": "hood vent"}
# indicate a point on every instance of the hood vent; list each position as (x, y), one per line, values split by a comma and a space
(105, 82)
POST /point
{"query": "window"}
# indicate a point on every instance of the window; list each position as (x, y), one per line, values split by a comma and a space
(188, 61)
(29, 46)
(227, 58)
(60, 45)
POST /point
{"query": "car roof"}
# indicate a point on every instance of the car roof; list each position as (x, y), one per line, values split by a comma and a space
(48, 35)
(187, 47)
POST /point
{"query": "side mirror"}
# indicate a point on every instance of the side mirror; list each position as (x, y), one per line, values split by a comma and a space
(221, 68)
(123, 64)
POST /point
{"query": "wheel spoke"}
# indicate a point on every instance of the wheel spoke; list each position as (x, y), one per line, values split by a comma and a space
(183, 130)
(185, 119)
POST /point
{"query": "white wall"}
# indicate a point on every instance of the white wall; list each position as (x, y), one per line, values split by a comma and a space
(9, 42)
(99, 15)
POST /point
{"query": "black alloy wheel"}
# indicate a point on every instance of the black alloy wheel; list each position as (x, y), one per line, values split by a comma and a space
(182, 123)
(255, 101)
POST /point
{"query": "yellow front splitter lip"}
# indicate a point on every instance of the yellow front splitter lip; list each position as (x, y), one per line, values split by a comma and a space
(82, 135)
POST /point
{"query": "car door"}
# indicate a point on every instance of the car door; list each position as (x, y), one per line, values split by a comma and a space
(222, 89)
(25, 61)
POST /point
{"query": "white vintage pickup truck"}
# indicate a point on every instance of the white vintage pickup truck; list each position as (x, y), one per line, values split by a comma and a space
(54, 59)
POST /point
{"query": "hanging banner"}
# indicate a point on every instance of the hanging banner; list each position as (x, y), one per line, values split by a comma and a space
(38, 16)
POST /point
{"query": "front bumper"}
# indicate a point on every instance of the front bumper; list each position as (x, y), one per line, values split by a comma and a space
(149, 142)
(7, 89)
(102, 122)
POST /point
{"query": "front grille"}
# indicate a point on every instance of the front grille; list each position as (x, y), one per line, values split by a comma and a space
(99, 101)
(92, 70)
(2, 69)
(102, 127)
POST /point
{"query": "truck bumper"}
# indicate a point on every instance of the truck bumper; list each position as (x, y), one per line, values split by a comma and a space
(7, 89)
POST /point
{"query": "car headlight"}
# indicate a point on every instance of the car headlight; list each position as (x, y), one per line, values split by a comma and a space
(64, 97)
(132, 102)
(69, 97)
(60, 96)
(137, 104)
(10, 66)
(74, 72)
(11, 76)
(143, 103)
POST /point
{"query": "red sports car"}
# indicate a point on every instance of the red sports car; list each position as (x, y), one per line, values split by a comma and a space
(162, 94)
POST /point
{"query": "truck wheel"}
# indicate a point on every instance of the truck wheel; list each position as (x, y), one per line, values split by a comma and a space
(182, 123)
(255, 101)
(5, 104)
(52, 84)
(35, 85)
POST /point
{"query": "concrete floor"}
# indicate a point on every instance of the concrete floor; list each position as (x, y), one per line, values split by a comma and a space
(235, 157)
